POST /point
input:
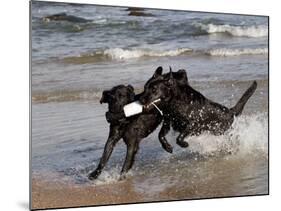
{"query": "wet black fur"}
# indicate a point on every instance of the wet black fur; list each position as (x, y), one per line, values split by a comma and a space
(189, 111)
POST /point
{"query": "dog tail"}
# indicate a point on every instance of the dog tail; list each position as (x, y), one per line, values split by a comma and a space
(238, 108)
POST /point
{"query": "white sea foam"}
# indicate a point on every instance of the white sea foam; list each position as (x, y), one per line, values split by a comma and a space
(249, 135)
(239, 31)
(111, 176)
(122, 54)
(126, 54)
(236, 52)
(100, 21)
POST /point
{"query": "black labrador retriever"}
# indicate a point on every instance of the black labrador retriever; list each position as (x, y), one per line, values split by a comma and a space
(132, 129)
(189, 111)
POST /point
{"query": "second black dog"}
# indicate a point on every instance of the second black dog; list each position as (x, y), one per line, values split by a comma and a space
(189, 111)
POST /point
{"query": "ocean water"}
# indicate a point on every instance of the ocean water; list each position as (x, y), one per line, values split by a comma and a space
(73, 62)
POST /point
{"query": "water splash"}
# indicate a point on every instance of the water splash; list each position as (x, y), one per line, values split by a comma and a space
(248, 135)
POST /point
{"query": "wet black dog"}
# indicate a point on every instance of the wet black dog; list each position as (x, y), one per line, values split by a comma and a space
(132, 129)
(189, 111)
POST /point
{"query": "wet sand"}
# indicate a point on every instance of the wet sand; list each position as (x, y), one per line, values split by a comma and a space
(55, 195)
(215, 177)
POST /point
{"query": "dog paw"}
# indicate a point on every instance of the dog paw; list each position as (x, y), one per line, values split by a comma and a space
(122, 177)
(94, 175)
(183, 144)
(168, 148)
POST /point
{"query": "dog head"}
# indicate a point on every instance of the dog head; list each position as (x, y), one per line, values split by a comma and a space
(118, 97)
(163, 86)
(159, 89)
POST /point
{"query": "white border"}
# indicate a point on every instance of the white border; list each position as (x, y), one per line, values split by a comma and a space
(15, 103)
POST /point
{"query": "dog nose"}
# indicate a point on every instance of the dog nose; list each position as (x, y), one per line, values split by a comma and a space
(103, 97)
(101, 100)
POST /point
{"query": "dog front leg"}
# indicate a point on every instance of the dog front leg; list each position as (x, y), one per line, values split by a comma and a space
(112, 140)
(132, 149)
(182, 136)
(163, 132)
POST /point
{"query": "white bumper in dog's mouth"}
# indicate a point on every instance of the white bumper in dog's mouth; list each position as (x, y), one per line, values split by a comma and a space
(133, 108)
(136, 107)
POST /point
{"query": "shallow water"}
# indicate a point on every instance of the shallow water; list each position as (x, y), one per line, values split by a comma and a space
(72, 63)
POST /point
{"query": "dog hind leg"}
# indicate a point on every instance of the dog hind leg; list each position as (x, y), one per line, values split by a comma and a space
(132, 148)
(182, 136)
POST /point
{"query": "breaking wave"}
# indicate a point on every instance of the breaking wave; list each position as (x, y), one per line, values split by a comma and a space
(238, 31)
(237, 52)
(123, 54)
(120, 54)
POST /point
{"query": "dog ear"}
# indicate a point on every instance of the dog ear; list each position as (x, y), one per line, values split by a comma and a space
(131, 94)
(131, 88)
(170, 80)
(158, 72)
(182, 76)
